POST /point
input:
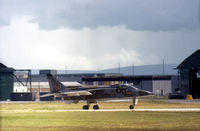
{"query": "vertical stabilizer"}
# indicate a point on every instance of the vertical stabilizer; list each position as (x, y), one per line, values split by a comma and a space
(55, 84)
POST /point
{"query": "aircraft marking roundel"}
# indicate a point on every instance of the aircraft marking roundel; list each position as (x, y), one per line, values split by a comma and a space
(56, 87)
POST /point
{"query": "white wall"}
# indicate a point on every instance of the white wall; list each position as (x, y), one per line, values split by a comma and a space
(160, 86)
(20, 89)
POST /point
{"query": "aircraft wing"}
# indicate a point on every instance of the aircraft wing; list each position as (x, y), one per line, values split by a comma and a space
(99, 89)
(69, 93)
(77, 93)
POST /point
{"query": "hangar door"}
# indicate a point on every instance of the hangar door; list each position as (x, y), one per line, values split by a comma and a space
(195, 83)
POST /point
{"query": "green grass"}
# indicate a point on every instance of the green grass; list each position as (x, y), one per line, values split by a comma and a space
(98, 121)
(101, 121)
(144, 104)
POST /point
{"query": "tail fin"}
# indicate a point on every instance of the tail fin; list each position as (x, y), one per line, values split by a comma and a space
(55, 84)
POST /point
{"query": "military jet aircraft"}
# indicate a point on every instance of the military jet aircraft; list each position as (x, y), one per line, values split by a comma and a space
(92, 95)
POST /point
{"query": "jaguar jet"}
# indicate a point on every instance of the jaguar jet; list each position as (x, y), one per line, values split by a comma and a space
(92, 95)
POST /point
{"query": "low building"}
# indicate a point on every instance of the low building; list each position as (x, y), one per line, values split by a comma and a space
(39, 83)
(20, 89)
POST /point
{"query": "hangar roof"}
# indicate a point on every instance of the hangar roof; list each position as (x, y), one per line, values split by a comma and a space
(2, 65)
(192, 61)
(4, 68)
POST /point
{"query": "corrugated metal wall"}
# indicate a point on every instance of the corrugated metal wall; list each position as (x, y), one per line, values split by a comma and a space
(28, 96)
(6, 85)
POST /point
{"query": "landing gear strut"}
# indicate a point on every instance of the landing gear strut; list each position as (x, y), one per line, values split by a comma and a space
(134, 103)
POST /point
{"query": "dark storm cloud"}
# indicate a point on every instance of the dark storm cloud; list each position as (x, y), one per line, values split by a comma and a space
(153, 15)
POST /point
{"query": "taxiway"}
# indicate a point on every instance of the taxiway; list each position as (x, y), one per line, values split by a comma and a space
(111, 110)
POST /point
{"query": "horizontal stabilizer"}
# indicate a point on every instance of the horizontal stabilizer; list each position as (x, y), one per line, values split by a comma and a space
(46, 95)
(54, 94)
(77, 93)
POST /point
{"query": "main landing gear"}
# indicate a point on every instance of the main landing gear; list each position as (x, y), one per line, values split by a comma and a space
(86, 107)
(95, 107)
(134, 103)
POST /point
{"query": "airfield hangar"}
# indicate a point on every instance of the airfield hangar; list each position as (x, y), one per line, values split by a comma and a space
(6, 82)
(189, 71)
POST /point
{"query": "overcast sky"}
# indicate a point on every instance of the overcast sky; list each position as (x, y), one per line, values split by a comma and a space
(97, 34)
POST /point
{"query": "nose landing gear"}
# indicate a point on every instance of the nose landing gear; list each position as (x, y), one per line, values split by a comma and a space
(134, 103)
(131, 107)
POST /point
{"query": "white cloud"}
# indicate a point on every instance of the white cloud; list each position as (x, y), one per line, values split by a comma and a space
(125, 57)
(24, 45)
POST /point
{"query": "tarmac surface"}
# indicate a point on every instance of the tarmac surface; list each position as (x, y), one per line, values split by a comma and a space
(111, 110)
(196, 101)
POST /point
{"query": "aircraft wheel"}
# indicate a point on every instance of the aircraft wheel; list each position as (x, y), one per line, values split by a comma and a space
(85, 107)
(131, 107)
(95, 107)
